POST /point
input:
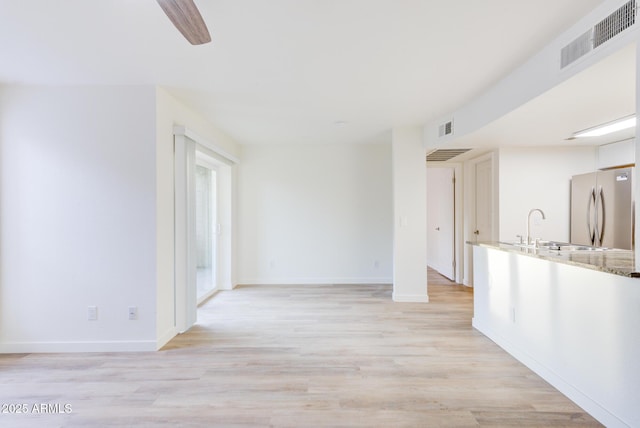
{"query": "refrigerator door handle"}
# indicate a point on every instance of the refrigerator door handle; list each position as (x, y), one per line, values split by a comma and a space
(591, 202)
(600, 221)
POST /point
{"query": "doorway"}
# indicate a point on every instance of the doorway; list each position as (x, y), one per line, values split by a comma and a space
(441, 220)
(206, 229)
(481, 200)
(484, 201)
(204, 184)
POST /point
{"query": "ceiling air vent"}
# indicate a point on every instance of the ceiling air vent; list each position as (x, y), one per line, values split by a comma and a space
(612, 25)
(445, 154)
(445, 129)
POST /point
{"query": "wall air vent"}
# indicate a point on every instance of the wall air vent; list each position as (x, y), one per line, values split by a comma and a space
(612, 25)
(445, 129)
(615, 23)
(445, 154)
(579, 47)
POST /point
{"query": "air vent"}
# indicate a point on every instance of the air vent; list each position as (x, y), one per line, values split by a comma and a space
(446, 129)
(579, 47)
(445, 154)
(615, 23)
(604, 30)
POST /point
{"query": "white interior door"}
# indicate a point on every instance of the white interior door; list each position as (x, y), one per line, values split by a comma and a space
(483, 201)
(441, 220)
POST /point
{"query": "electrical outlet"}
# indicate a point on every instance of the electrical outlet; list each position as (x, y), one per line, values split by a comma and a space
(133, 312)
(92, 313)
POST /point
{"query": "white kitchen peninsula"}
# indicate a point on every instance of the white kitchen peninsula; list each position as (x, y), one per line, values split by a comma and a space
(572, 317)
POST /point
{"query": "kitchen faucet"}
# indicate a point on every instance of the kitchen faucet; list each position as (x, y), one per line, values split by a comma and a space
(529, 223)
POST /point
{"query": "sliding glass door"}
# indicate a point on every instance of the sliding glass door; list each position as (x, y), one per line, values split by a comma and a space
(203, 229)
(206, 229)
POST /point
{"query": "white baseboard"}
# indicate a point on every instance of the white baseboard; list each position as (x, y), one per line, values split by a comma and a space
(62, 347)
(315, 281)
(592, 407)
(410, 298)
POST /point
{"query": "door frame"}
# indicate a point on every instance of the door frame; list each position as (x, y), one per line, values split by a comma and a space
(186, 144)
(470, 213)
(441, 214)
(203, 160)
(458, 227)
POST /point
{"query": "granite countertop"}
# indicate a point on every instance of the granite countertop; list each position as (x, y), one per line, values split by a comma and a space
(618, 262)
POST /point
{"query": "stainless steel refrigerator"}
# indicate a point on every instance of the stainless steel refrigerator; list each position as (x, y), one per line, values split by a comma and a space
(602, 209)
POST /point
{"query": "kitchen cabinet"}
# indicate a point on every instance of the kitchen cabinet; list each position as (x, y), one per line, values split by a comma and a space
(621, 153)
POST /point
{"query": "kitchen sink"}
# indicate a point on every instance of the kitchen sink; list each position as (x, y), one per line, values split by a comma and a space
(540, 244)
(558, 246)
(576, 248)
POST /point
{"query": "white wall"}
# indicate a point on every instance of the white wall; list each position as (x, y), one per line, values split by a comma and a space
(86, 202)
(315, 214)
(78, 204)
(539, 178)
(409, 216)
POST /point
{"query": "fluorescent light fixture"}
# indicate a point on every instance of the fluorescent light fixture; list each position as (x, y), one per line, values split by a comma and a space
(607, 128)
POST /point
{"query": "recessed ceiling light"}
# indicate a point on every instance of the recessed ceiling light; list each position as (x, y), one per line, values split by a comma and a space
(607, 128)
(340, 123)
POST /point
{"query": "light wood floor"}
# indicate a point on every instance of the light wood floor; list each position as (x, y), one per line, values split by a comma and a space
(300, 356)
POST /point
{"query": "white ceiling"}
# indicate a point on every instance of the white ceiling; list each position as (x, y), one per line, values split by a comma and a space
(284, 71)
(602, 93)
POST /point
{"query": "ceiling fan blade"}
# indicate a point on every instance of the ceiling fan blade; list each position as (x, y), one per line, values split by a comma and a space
(185, 16)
